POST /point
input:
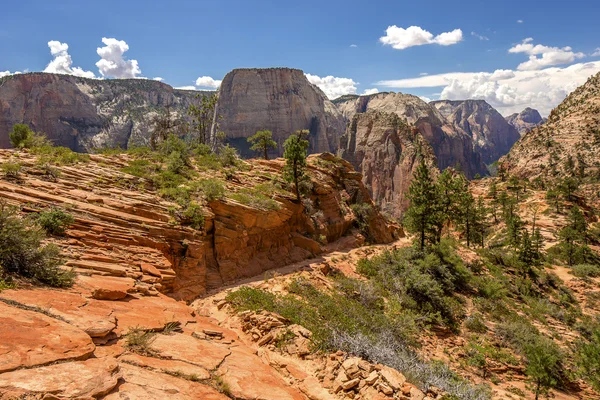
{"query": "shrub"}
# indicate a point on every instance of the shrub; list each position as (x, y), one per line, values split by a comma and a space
(586, 271)
(192, 215)
(141, 168)
(22, 252)
(55, 221)
(362, 213)
(588, 358)
(213, 189)
(20, 135)
(253, 198)
(58, 155)
(475, 323)
(11, 169)
(228, 156)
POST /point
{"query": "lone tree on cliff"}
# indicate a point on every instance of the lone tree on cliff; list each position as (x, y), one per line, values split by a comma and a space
(295, 148)
(262, 141)
(423, 216)
(204, 119)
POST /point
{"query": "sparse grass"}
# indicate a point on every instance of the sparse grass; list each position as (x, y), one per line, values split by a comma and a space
(139, 340)
(221, 385)
(11, 170)
(586, 271)
(254, 198)
(59, 155)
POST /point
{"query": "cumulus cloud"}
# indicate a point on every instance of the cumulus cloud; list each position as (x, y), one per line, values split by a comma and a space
(367, 92)
(112, 63)
(206, 82)
(4, 73)
(541, 56)
(596, 52)
(478, 36)
(62, 62)
(425, 99)
(353, 45)
(400, 38)
(333, 86)
(186, 88)
(507, 90)
(520, 21)
(158, 78)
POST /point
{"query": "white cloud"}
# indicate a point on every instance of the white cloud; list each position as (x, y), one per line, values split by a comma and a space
(520, 21)
(507, 90)
(423, 74)
(370, 91)
(549, 55)
(425, 99)
(207, 82)
(62, 62)
(186, 88)
(4, 73)
(353, 45)
(596, 53)
(478, 36)
(400, 38)
(158, 78)
(333, 86)
(112, 63)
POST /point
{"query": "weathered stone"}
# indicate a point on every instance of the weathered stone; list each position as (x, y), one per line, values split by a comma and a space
(281, 100)
(206, 354)
(81, 380)
(394, 378)
(259, 382)
(170, 366)
(142, 384)
(29, 338)
(351, 384)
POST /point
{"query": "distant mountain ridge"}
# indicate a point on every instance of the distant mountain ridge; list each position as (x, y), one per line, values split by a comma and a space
(526, 120)
(492, 135)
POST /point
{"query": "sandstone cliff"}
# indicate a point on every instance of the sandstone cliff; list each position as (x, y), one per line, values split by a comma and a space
(526, 120)
(492, 136)
(84, 114)
(452, 146)
(385, 150)
(572, 131)
(281, 100)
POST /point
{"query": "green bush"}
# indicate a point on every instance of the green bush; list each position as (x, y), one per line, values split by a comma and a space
(58, 155)
(20, 135)
(193, 216)
(253, 198)
(22, 251)
(586, 270)
(141, 168)
(213, 189)
(55, 221)
(475, 323)
(11, 169)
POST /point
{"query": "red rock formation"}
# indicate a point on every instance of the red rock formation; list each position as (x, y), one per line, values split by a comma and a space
(386, 151)
(451, 146)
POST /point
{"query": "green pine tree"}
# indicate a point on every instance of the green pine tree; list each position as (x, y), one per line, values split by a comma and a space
(423, 217)
(261, 142)
(295, 151)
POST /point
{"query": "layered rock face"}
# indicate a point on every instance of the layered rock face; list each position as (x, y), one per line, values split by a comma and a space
(526, 120)
(572, 131)
(452, 146)
(281, 100)
(123, 232)
(385, 150)
(84, 114)
(492, 135)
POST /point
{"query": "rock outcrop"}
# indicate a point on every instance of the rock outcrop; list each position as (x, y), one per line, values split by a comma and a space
(83, 114)
(492, 135)
(124, 230)
(385, 150)
(567, 144)
(281, 100)
(451, 146)
(526, 120)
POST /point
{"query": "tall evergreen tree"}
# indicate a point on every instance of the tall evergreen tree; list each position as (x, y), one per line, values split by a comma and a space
(295, 148)
(423, 216)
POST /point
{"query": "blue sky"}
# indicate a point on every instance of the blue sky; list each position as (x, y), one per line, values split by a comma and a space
(181, 41)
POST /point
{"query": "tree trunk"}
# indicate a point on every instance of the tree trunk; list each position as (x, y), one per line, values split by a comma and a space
(296, 181)
(265, 153)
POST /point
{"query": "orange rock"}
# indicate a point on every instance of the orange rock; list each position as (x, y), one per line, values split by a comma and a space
(150, 270)
(204, 353)
(29, 338)
(258, 382)
(142, 384)
(170, 366)
(81, 380)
